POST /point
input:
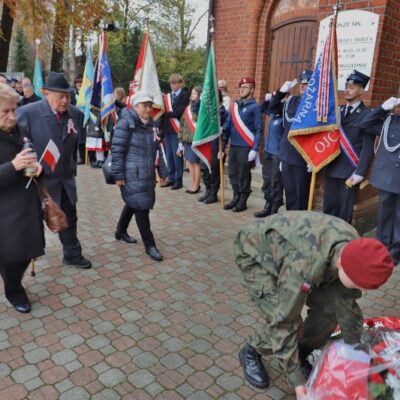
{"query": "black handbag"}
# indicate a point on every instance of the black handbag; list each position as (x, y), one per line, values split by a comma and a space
(107, 170)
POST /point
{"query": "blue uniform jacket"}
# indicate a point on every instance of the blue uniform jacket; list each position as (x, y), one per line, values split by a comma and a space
(250, 113)
(275, 130)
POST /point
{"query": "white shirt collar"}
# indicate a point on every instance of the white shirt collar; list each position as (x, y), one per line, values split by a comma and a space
(355, 105)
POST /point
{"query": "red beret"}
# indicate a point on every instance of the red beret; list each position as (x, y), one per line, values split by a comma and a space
(367, 262)
(247, 80)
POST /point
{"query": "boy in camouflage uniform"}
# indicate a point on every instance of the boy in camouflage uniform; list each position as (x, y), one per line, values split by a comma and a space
(299, 258)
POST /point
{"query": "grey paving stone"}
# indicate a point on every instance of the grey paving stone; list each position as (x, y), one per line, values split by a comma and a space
(229, 382)
(185, 390)
(172, 361)
(275, 393)
(104, 327)
(25, 373)
(75, 394)
(42, 311)
(72, 341)
(64, 357)
(106, 394)
(101, 367)
(141, 378)
(29, 325)
(5, 370)
(97, 342)
(174, 344)
(73, 366)
(127, 329)
(199, 396)
(112, 377)
(186, 370)
(33, 384)
(154, 389)
(144, 360)
(200, 345)
(36, 355)
(132, 316)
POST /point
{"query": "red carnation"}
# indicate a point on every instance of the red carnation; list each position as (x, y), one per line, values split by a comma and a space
(376, 378)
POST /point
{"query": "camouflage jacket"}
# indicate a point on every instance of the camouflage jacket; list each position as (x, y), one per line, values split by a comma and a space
(288, 257)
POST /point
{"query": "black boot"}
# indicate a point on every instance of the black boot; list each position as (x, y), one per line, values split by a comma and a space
(177, 185)
(253, 368)
(233, 202)
(265, 212)
(212, 198)
(242, 203)
(275, 207)
(205, 195)
(305, 366)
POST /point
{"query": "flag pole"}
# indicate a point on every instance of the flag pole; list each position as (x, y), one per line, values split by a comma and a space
(314, 173)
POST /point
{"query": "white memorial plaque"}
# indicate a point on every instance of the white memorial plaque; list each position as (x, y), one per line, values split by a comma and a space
(356, 36)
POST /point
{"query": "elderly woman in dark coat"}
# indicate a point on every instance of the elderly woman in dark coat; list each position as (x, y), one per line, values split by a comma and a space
(134, 148)
(21, 227)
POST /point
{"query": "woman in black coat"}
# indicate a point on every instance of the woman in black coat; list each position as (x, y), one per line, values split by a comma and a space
(134, 147)
(21, 228)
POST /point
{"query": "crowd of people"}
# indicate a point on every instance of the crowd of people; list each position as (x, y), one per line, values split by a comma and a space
(282, 259)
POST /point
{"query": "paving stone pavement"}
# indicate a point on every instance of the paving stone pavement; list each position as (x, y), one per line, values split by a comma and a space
(132, 328)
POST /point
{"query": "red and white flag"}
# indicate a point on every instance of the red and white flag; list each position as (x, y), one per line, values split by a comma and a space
(51, 155)
(145, 77)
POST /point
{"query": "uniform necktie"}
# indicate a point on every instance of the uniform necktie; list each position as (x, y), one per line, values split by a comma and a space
(348, 110)
(173, 97)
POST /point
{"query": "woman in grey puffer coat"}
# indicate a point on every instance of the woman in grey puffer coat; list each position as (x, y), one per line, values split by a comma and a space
(134, 147)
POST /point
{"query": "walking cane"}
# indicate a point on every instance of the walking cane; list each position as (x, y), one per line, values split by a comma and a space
(33, 273)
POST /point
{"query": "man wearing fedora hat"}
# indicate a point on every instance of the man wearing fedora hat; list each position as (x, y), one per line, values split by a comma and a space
(56, 119)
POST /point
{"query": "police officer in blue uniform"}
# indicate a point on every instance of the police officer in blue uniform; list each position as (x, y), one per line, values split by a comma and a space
(272, 177)
(242, 155)
(384, 121)
(339, 198)
(296, 178)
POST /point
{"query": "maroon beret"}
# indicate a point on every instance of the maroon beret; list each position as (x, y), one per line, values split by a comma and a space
(367, 262)
(247, 80)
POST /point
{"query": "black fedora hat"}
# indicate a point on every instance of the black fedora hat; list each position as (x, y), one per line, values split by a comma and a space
(57, 82)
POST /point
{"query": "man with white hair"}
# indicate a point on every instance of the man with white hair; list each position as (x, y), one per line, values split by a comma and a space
(27, 90)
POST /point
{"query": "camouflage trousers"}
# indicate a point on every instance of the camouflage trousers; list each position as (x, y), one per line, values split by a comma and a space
(327, 305)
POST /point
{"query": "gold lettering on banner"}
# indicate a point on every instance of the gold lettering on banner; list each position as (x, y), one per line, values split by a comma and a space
(326, 141)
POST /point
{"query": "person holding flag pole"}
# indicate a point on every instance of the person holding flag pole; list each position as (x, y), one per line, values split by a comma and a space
(208, 128)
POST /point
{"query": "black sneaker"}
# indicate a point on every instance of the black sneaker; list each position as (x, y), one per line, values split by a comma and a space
(78, 262)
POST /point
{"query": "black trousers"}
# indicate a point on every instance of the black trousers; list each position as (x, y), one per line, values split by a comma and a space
(81, 150)
(12, 276)
(388, 229)
(272, 179)
(296, 181)
(239, 169)
(71, 245)
(338, 198)
(142, 222)
(212, 180)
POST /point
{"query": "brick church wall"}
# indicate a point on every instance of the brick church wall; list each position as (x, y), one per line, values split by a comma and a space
(243, 46)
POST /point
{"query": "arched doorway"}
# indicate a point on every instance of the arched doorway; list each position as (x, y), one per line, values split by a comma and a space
(293, 27)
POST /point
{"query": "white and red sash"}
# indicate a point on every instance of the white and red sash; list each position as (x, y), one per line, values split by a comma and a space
(168, 106)
(347, 147)
(189, 119)
(243, 130)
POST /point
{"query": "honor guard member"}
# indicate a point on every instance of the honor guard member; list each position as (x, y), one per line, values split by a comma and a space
(244, 129)
(296, 178)
(357, 150)
(299, 258)
(385, 122)
(175, 104)
(272, 177)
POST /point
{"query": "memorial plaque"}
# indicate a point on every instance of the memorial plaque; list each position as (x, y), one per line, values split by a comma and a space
(356, 35)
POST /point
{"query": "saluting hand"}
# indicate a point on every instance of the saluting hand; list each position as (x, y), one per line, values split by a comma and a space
(390, 104)
(288, 86)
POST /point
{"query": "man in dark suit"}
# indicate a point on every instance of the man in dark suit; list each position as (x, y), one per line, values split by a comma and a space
(296, 179)
(175, 104)
(356, 155)
(384, 121)
(54, 118)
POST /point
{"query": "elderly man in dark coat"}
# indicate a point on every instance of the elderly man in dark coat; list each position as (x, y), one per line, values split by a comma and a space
(21, 227)
(55, 118)
(134, 148)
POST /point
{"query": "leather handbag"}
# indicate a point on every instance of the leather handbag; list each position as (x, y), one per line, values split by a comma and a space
(107, 170)
(55, 218)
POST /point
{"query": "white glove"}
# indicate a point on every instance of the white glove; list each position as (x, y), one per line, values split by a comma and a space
(288, 86)
(309, 168)
(180, 147)
(220, 155)
(280, 166)
(391, 103)
(268, 96)
(356, 179)
(252, 155)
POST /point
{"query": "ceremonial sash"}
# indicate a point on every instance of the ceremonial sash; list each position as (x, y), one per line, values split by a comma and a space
(243, 130)
(189, 119)
(347, 147)
(168, 106)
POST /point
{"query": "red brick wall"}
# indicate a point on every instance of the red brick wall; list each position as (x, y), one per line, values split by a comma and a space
(243, 46)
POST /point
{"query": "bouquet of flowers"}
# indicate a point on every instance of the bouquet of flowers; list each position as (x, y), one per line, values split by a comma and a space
(370, 371)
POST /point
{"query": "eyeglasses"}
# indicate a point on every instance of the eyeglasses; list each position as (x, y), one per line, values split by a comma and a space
(245, 87)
